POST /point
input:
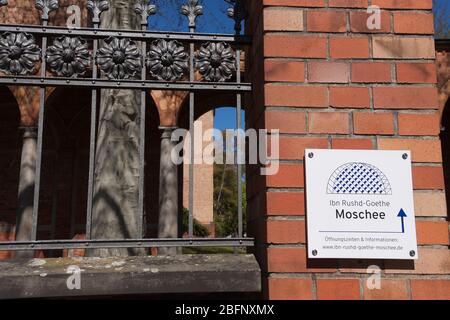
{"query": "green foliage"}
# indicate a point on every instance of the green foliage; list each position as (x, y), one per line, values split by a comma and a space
(199, 229)
(225, 200)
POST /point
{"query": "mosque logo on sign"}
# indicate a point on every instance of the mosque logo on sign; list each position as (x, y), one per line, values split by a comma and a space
(358, 178)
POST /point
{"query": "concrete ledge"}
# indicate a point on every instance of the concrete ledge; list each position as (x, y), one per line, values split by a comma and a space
(39, 278)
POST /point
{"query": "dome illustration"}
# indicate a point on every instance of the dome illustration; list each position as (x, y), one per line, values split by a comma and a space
(358, 178)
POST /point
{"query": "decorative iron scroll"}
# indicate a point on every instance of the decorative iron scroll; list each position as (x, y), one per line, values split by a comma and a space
(18, 53)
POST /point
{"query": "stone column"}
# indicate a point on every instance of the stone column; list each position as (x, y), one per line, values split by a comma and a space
(168, 193)
(26, 189)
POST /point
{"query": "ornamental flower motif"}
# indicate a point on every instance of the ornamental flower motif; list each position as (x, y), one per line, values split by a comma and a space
(119, 58)
(167, 60)
(68, 57)
(216, 62)
(18, 53)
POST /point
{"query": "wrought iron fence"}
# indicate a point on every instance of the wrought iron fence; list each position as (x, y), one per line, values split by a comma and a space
(141, 60)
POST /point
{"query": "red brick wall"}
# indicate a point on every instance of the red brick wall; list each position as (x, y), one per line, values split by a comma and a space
(326, 81)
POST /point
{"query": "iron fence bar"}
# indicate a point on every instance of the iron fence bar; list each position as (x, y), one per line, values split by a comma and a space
(37, 182)
(123, 84)
(238, 13)
(142, 223)
(92, 143)
(128, 243)
(132, 34)
(192, 136)
(239, 146)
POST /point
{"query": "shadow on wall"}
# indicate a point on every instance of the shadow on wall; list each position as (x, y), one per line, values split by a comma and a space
(445, 138)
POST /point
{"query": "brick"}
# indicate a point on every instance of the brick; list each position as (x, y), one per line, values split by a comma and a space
(413, 23)
(328, 72)
(283, 19)
(295, 3)
(352, 144)
(373, 123)
(431, 261)
(397, 47)
(286, 231)
(403, 4)
(428, 178)
(405, 97)
(358, 22)
(296, 96)
(290, 289)
(295, 260)
(349, 47)
(338, 289)
(430, 289)
(329, 122)
(286, 260)
(430, 204)
(349, 3)
(288, 176)
(349, 97)
(432, 232)
(284, 70)
(390, 290)
(293, 148)
(417, 124)
(326, 21)
(416, 73)
(368, 72)
(294, 46)
(286, 203)
(422, 150)
(286, 121)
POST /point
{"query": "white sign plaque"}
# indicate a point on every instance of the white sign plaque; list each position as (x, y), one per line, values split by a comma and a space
(360, 204)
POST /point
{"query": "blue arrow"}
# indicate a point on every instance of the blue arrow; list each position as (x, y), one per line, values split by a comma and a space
(402, 215)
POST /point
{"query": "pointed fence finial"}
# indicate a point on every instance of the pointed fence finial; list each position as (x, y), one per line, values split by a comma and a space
(46, 6)
(192, 9)
(96, 7)
(145, 9)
